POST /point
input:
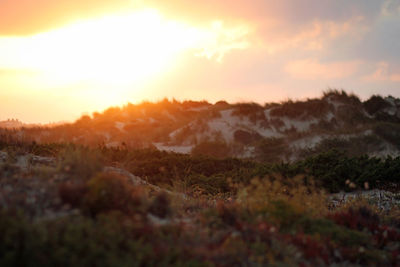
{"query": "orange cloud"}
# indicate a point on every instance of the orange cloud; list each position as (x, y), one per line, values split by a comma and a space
(26, 17)
(221, 40)
(310, 69)
(314, 36)
(382, 73)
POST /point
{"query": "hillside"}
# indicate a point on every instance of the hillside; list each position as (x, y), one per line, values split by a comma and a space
(310, 183)
(285, 131)
(12, 124)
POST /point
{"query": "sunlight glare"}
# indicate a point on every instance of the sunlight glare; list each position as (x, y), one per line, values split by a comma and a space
(109, 60)
(113, 50)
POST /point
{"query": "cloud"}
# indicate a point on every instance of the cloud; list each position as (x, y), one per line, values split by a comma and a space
(311, 69)
(265, 47)
(382, 73)
(30, 16)
(222, 40)
(317, 35)
(391, 7)
(277, 26)
(294, 11)
(26, 17)
(382, 41)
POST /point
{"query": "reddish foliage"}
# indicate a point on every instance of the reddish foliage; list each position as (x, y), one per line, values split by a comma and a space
(109, 191)
(160, 206)
(359, 219)
(227, 212)
(364, 218)
(72, 193)
(311, 248)
(386, 234)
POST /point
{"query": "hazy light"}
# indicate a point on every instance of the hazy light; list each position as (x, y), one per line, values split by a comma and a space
(113, 50)
(108, 57)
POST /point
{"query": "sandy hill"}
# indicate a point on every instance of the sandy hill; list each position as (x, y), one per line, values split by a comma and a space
(271, 132)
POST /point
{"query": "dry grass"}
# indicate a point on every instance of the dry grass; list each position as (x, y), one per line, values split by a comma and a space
(299, 192)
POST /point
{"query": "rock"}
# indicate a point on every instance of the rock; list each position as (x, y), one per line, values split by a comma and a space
(383, 199)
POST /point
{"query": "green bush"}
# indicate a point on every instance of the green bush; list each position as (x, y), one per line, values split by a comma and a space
(104, 192)
(160, 206)
(245, 137)
(312, 108)
(215, 149)
(108, 192)
(389, 132)
(354, 146)
(108, 240)
(271, 150)
(374, 104)
(333, 168)
(341, 96)
(253, 111)
(80, 163)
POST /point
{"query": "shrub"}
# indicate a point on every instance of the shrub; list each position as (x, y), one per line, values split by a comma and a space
(215, 149)
(249, 109)
(104, 192)
(80, 163)
(108, 240)
(326, 126)
(325, 227)
(333, 168)
(374, 104)
(357, 219)
(277, 123)
(389, 131)
(73, 193)
(245, 137)
(108, 191)
(211, 185)
(351, 115)
(298, 194)
(354, 146)
(271, 150)
(160, 206)
(341, 96)
(302, 109)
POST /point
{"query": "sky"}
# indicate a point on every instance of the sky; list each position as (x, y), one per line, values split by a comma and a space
(61, 59)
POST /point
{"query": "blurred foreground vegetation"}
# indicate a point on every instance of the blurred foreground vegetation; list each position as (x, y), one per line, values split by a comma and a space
(208, 211)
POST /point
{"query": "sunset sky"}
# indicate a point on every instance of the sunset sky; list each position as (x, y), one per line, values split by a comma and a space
(60, 59)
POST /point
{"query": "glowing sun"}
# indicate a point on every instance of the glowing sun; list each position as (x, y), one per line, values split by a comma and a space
(107, 60)
(113, 50)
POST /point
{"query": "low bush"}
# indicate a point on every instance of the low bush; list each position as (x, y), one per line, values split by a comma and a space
(80, 163)
(72, 193)
(312, 108)
(104, 192)
(332, 169)
(389, 132)
(299, 194)
(374, 104)
(215, 149)
(353, 146)
(253, 111)
(271, 150)
(160, 206)
(245, 137)
(110, 192)
(108, 240)
(341, 96)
